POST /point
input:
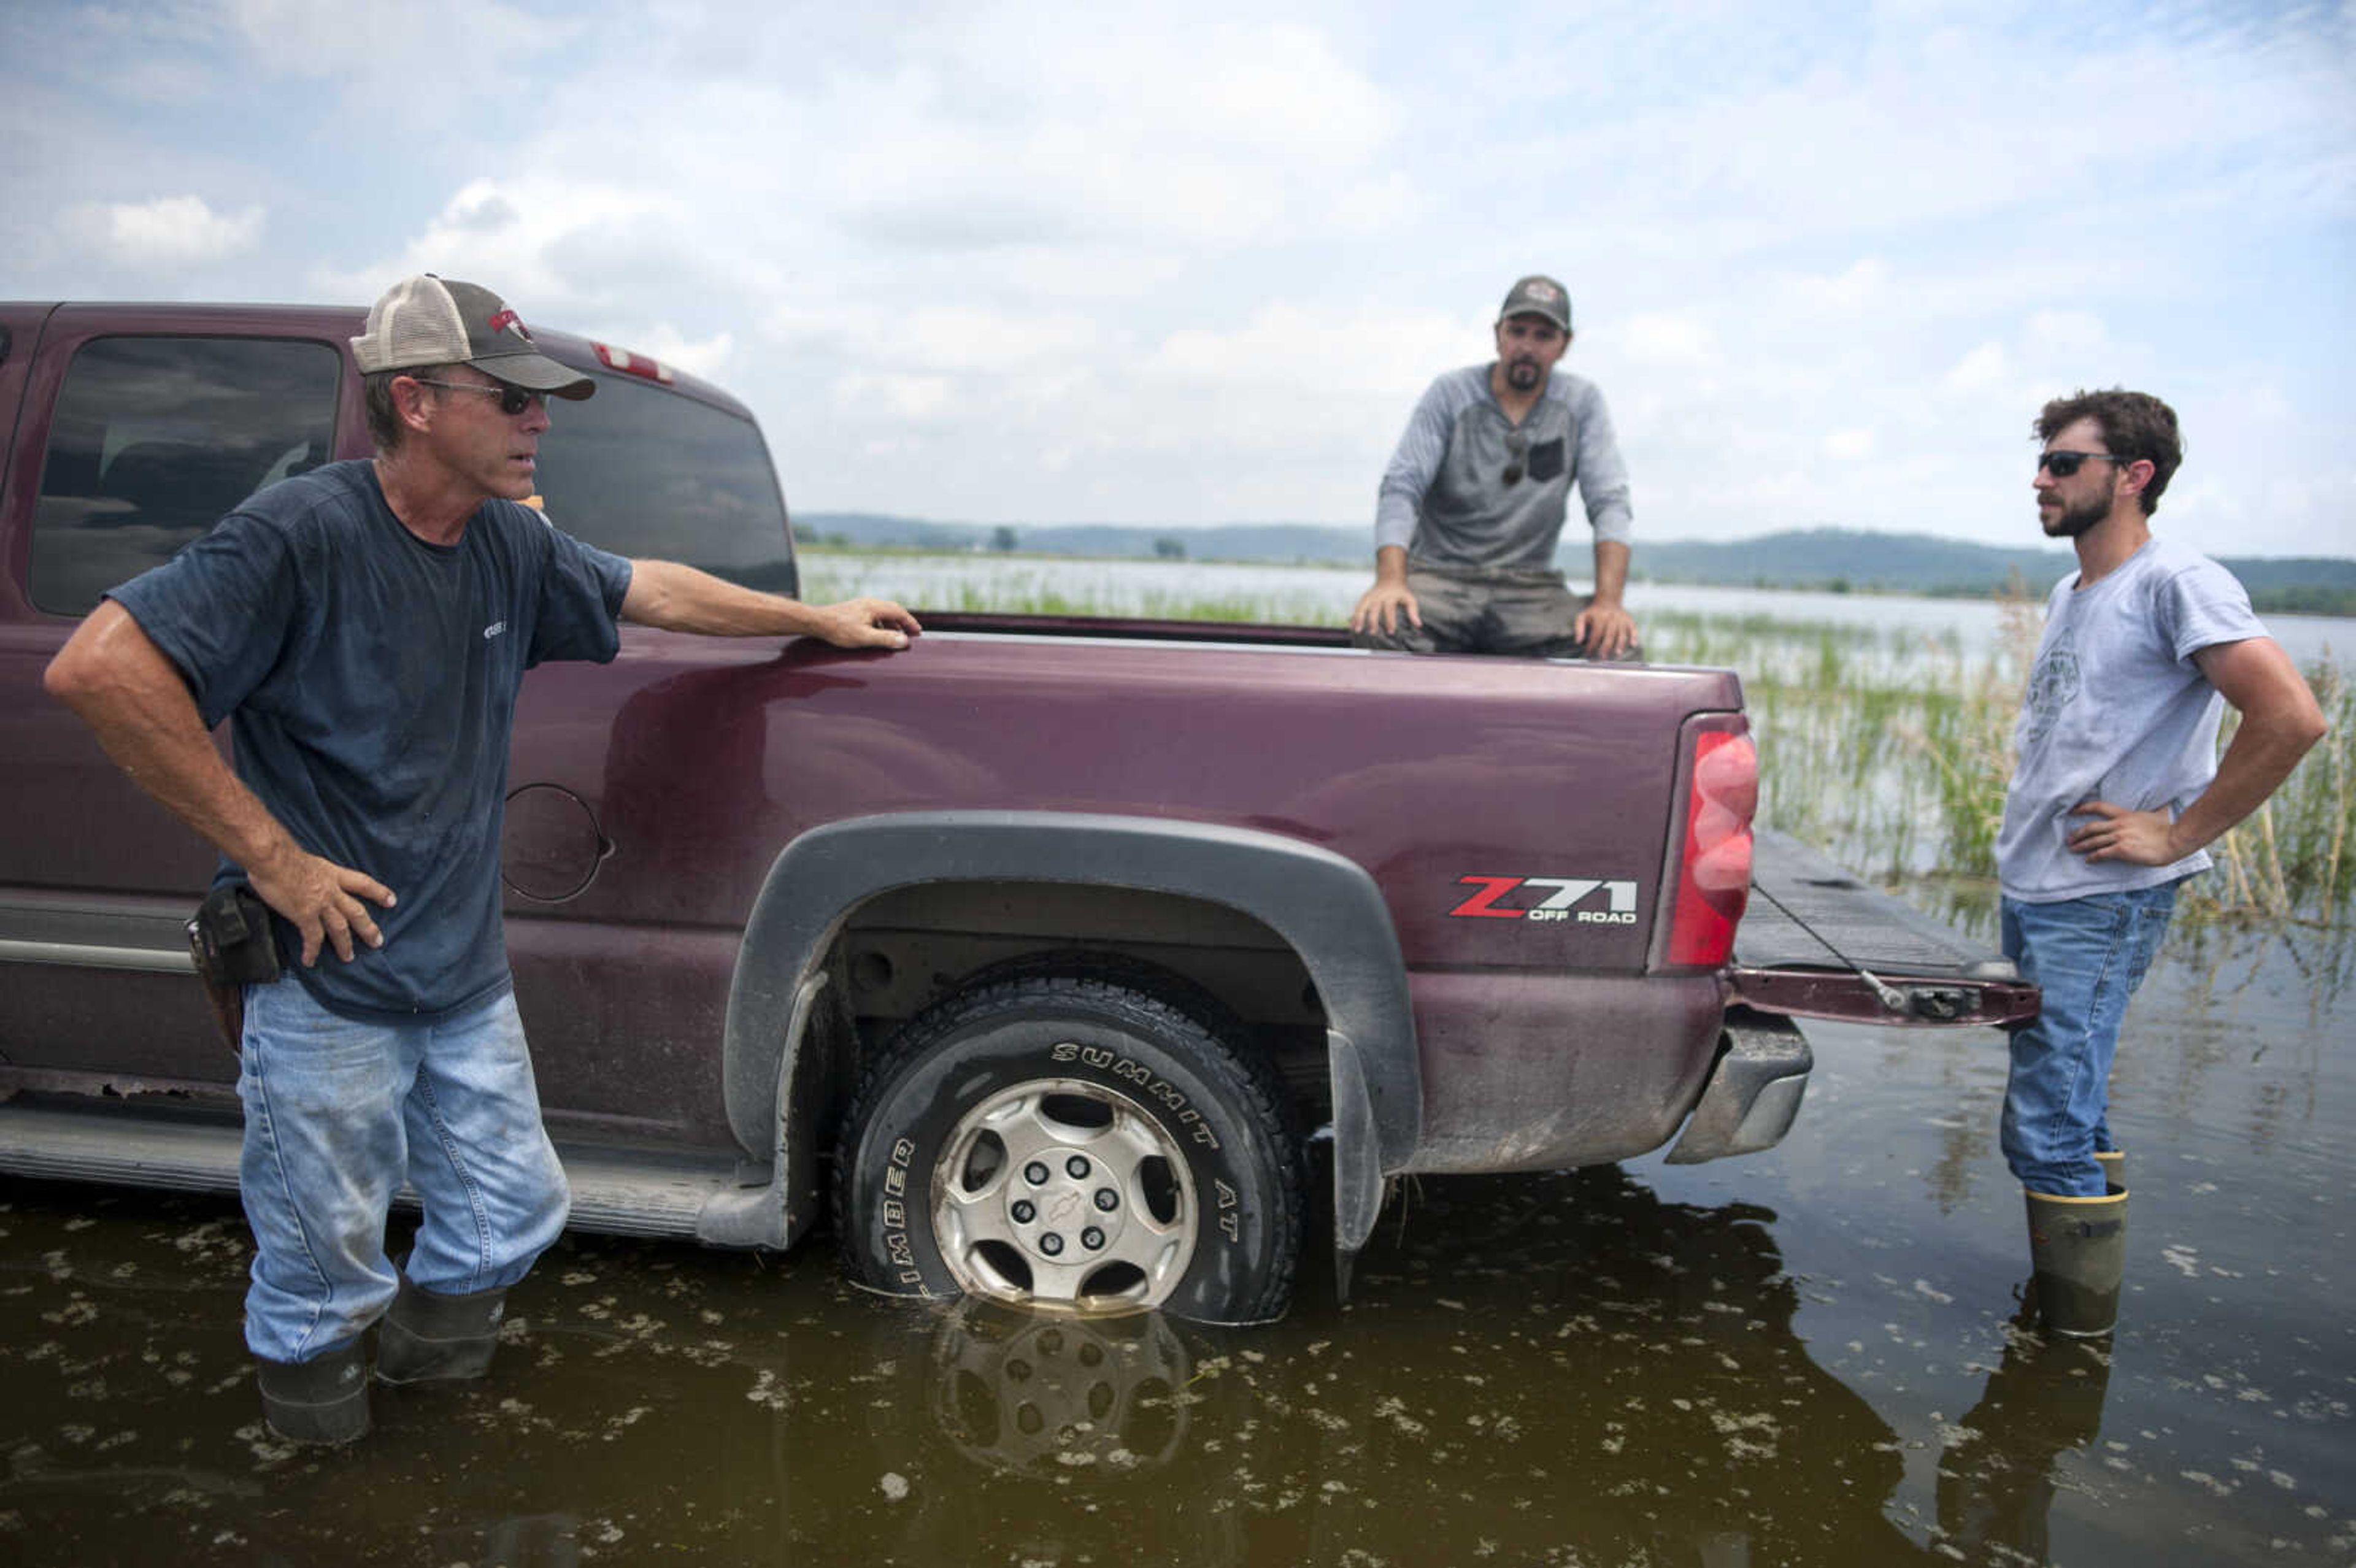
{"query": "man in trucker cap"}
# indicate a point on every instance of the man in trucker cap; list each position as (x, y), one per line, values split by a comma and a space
(428, 321)
(1472, 504)
(364, 627)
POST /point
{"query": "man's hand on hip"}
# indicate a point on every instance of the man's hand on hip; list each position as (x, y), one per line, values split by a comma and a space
(323, 900)
(2138, 837)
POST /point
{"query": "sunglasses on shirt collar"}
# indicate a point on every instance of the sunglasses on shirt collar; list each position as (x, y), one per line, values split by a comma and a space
(2066, 464)
(1517, 447)
(515, 399)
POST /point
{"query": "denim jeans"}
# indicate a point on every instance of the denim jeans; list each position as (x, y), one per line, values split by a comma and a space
(336, 1114)
(2088, 956)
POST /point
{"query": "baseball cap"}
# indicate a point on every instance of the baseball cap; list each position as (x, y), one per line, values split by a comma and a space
(1538, 295)
(427, 320)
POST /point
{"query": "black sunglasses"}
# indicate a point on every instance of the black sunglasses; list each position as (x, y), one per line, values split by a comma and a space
(512, 399)
(1518, 442)
(2066, 464)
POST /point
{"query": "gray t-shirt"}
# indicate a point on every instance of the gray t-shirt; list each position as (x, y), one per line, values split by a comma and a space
(1444, 496)
(2116, 710)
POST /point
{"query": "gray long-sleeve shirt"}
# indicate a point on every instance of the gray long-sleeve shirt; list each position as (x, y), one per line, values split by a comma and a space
(1444, 497)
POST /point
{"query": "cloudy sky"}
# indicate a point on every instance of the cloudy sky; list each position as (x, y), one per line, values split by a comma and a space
(1041, 262)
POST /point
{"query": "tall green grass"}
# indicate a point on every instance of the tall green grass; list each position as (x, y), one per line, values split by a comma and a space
(1893, 752)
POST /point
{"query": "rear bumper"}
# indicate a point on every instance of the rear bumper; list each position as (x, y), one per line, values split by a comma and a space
(1753, 1091)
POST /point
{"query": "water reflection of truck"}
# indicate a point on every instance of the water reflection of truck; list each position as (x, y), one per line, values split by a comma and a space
(1046, 947)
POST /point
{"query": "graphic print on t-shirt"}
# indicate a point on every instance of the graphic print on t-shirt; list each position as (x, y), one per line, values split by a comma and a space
(2052, 686)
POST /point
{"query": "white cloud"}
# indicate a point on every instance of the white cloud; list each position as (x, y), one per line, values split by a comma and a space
(899, 397)
(1664, 338)
(169, 231)
(979, 261)
(431, 49)
(2059, 333)
(1983, 368)
(1301, 345)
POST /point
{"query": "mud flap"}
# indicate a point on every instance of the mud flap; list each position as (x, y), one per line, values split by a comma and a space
(1357, 1158)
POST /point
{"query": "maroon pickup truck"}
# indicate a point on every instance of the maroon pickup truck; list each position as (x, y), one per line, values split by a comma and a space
(1045, 950)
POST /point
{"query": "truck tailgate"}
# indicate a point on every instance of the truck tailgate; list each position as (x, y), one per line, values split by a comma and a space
(1818, 943)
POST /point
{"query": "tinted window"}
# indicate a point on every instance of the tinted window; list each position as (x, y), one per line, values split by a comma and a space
(157, 438)
(643, 472)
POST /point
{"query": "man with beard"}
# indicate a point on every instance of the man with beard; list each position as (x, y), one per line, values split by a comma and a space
(2117, 791)
(1474, 502)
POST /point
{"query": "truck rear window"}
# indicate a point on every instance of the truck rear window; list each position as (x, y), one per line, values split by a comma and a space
(643, 472)
(157, 438)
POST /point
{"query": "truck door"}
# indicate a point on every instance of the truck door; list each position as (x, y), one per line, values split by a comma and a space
(139, 427)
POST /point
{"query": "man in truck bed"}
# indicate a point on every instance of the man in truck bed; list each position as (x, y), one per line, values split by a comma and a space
(1473, 501)
(366, 627)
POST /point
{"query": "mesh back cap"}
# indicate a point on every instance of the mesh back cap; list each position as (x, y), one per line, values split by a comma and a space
(425, 320)
(1537, 294)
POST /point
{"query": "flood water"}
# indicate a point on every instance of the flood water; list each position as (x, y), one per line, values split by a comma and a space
(1809, 1356)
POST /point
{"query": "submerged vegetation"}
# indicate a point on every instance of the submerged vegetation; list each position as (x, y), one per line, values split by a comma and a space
(1888, 746)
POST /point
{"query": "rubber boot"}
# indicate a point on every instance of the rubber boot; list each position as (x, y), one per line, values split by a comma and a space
(2078, 1247)
(322, 1400)
(426, 1336)
(2113, 1163)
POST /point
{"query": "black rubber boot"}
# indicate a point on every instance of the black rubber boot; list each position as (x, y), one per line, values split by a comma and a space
(322, 1400)
(426, 1336)
(2079, 1248)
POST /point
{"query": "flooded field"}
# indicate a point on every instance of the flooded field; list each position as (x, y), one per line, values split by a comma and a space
(1805, 1357)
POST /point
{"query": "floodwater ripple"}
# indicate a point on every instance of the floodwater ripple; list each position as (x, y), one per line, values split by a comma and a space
(1815, 1355)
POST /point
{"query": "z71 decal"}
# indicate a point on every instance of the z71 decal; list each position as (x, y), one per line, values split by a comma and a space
(1567, 899)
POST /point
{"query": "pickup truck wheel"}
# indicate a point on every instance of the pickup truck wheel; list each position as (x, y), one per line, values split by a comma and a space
(1065, 1140)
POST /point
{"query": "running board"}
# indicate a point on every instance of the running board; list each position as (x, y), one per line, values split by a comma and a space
(615, 1192)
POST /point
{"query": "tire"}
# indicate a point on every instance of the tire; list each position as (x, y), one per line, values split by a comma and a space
(1069, 1140)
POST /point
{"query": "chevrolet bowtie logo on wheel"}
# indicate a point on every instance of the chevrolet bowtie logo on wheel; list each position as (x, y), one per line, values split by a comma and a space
(1571, 899)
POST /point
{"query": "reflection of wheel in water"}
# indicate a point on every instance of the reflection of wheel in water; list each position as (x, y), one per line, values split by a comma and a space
(1022, 1392)
(1061, 1139)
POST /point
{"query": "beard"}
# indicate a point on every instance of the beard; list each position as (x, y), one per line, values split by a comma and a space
(2072, 521)
(1522, 375)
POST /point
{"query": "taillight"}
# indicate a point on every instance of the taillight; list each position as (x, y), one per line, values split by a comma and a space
(1714, 875)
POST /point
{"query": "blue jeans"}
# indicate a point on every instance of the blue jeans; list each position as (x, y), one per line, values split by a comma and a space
(2088, 956)
(336, 1114)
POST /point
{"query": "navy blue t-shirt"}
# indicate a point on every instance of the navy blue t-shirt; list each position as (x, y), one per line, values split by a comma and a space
(370, 678)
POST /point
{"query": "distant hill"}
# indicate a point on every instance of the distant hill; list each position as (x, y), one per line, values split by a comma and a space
(1852, 560)
(1840, 559)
